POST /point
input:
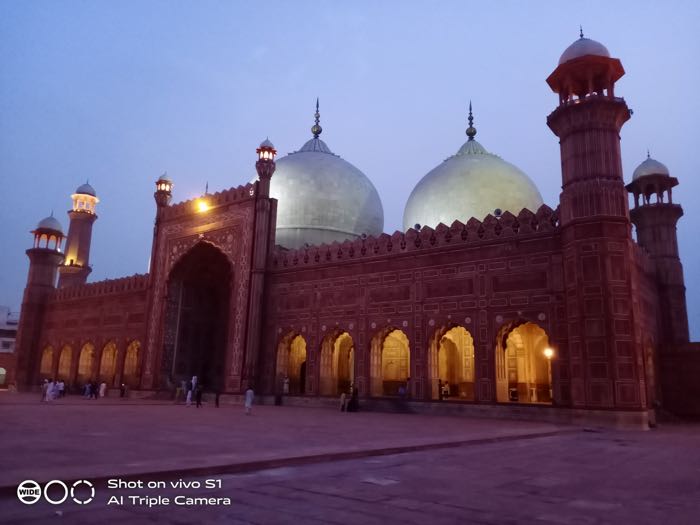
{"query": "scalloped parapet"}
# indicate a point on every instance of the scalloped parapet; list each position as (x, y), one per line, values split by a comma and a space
(545, 220)
(132, 283)
(231, 195)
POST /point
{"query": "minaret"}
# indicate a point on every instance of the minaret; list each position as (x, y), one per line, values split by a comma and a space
(263, 241)
(602, 353)
(44, 259)
(655, 220)
(76, 268)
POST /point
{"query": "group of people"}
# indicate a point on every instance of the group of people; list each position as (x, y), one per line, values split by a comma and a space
(55, 389)
(194, 389)
(51, 390)
(91, 390)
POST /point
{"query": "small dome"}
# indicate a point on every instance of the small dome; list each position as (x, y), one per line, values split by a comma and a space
(650, 167)
(472, 183)
(50, 223)
(267, 144)
(582, 47)
(86, 189)
(164, 177)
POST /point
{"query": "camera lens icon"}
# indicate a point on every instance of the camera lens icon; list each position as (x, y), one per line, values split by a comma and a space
(29, 492)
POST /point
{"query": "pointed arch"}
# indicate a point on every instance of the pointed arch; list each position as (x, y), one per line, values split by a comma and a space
(291, 362)
(390, 362)
(86, 363)
(451, 363)
(523, 372)
(108, 363)
(65, 362)
(46, 367)
(131, 371)
(337, 370)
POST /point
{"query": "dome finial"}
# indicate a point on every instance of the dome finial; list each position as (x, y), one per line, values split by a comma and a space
(471, 130)
(648, 155)
(316, 129)
(580, 30)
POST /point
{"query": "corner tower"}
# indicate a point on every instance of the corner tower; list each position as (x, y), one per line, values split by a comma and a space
(44, 259)
(76, 269)
(655, 220)
(599, 267)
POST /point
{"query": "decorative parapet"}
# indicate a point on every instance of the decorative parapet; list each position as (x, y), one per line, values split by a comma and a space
(133, 283)
(474, 231)
(220, 198)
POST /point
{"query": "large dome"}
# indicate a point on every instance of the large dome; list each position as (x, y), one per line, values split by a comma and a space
(472, 183)
(322, 198)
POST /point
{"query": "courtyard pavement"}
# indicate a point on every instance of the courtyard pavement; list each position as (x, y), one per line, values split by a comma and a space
(308, 465)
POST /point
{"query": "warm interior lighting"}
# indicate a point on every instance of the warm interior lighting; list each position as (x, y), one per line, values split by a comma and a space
(202, 205)
(548, 353)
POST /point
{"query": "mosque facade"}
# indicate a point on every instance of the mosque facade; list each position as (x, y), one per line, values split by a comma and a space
(487, 298)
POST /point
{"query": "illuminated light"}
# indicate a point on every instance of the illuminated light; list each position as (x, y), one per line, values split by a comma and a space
(202, 206)
(548, 353)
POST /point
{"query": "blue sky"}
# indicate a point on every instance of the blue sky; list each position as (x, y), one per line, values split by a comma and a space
(118, 92)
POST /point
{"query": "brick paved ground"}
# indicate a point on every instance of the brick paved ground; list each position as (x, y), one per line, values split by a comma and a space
(572, 477)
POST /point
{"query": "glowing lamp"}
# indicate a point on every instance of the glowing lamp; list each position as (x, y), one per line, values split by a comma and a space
(202, 205)
(548, 353)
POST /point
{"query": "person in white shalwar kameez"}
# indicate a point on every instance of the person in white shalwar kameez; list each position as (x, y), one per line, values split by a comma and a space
(249, 395)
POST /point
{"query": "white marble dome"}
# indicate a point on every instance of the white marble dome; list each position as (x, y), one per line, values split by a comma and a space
(582, 47)
(472, 183)
(50, 223)
(650, 167)
(322, 198)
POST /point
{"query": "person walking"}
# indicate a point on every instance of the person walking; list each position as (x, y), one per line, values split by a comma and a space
(188, 400)
(61, 389)
(249, 395)
(44, 389)
(343, 399)
(285, 385)
(198, 395)
(103, 389)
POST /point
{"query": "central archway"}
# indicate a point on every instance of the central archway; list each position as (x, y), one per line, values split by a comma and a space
(337, 370)
(196, 319)
(390, 362)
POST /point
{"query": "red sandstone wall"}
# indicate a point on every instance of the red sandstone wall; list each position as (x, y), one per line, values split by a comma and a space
(482, 276)
(96, 313)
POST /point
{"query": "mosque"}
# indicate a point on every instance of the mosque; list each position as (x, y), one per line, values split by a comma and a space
(488, 300)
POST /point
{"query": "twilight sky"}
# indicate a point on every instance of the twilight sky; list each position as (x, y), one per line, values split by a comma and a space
(118, 92)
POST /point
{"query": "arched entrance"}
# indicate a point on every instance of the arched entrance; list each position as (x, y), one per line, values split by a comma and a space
(291, 363)
(108, 363)
(451, 363)
(196, 318)
(337, 370)
(131, 364)
(85, 363)
(46, 368)
(64, 363)
(523, 370)
(390, 362)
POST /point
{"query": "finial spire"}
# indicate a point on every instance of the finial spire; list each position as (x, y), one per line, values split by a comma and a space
(580, 29)
(206, 188)
(648, 155)
(316, 129)
(471, 130)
